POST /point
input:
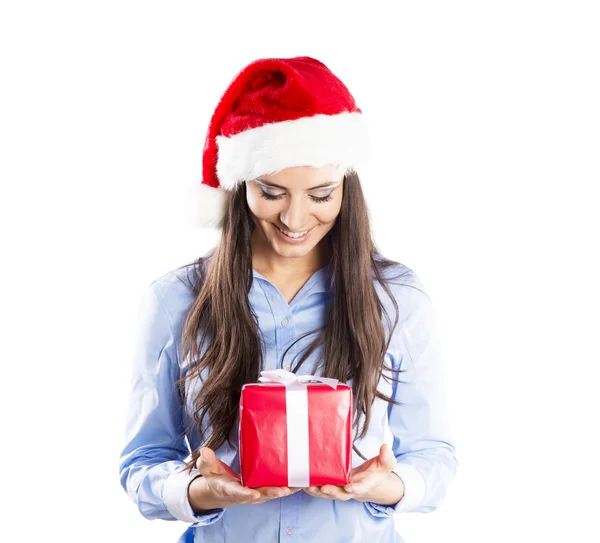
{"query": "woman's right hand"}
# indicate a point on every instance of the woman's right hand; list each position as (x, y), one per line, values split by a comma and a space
(221, 487)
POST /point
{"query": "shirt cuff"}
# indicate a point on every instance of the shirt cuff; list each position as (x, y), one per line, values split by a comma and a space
(414, 492)
(176, 499)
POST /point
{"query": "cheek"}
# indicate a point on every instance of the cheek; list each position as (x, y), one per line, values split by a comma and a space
(328, 212)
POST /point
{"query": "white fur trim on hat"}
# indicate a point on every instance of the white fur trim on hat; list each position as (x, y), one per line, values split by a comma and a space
(316, 141)
(207, 205)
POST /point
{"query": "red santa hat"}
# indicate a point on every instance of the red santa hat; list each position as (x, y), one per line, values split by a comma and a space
(278, 113)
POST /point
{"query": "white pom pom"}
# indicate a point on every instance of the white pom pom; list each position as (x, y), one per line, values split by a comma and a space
(206, 205)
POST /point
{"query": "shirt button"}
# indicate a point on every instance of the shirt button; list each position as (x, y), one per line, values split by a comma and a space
(290, 530)
(285, 322)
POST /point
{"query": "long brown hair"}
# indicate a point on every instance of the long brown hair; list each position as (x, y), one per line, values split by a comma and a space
(354, 342)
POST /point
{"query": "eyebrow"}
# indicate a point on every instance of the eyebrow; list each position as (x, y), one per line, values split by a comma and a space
(323, 185)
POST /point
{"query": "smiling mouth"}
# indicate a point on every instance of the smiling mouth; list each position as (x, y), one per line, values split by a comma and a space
(292, 237)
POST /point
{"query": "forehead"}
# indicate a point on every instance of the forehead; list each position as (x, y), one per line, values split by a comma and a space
(304, 177)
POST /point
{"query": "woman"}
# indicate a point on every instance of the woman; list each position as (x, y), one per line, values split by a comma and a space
(296, 283)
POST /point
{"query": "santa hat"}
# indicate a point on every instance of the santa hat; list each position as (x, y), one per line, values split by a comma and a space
(278, 113)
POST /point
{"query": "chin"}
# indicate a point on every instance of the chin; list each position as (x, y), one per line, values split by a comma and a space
(283, 249)
(292, 252)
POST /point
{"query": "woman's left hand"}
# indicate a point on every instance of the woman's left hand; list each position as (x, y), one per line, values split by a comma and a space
(363, 480)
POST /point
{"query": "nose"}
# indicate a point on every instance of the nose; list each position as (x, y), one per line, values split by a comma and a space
(296, 214)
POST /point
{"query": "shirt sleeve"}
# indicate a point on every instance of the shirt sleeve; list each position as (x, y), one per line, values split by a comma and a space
(152, 460)
(422, 440)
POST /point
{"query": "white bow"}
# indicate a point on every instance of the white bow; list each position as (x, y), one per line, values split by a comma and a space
(287, 378)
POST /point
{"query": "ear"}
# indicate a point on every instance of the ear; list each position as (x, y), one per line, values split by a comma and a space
(206, 205)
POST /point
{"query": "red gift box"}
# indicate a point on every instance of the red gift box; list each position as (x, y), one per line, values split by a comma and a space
(295, 433)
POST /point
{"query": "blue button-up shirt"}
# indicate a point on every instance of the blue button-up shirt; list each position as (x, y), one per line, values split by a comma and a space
(418, 431)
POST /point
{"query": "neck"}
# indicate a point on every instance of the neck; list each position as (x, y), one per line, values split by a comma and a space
(264, 259)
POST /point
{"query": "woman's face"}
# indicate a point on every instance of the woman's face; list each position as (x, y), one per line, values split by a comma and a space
(306, 200)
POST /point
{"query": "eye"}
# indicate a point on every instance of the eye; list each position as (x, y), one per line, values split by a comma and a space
(322, 199)
(268, 196)
(272, 197)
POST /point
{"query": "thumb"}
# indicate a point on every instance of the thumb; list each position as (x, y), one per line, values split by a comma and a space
(387, 460)
(207, 463)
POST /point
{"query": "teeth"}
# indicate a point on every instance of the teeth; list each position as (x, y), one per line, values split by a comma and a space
(293, 235)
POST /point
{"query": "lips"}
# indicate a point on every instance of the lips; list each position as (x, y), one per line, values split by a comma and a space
(291, 240)
(289, 236)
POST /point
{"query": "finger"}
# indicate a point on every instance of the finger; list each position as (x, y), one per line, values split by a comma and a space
(271, 492)
(366, 466)
(386, 457)
(335, 492)
(355, 489)
(364, 483)
(237, 492)
(207, 463)
(316, 492)
(360, 484)
(243, 493)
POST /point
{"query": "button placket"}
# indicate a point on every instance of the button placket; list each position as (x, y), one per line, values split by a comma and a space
(279, 308)
(286, 330)
(284, 333)
(288, 335)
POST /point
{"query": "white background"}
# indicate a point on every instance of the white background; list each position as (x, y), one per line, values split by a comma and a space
(485, 124)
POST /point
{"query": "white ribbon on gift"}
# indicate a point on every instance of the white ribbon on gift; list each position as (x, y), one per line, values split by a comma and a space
(296, 399)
